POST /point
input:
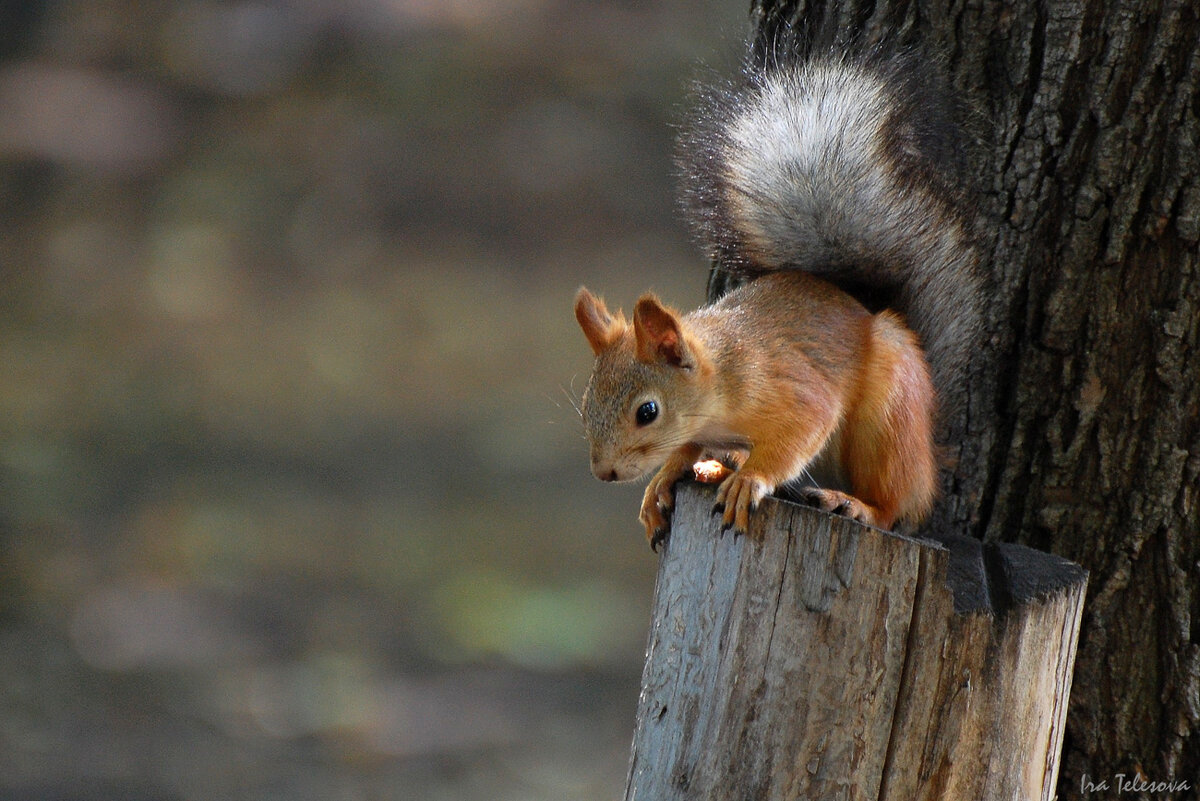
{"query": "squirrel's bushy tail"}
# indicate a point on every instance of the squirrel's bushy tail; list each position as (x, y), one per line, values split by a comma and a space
(848, 169)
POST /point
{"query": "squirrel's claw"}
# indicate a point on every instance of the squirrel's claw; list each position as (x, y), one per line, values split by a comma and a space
(738, 496)
(659, 537)
(654, 516)
(657, 527)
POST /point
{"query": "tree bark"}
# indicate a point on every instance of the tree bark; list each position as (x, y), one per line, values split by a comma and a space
(1081, 431)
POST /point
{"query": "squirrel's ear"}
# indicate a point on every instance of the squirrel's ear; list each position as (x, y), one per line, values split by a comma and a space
(659, 334)
(600, 327)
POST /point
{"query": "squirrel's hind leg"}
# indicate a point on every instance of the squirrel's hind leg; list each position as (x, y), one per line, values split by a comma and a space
(887, 438)
(840, 503)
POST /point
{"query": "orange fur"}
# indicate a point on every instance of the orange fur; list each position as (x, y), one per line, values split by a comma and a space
(788, 368)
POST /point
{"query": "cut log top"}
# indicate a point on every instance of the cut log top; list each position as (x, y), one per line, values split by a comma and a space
(996, 577)
(818, 658)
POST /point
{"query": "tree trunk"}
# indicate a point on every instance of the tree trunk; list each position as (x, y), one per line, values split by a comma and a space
(1081, 431)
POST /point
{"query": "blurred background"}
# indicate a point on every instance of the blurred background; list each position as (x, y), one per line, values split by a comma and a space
(293, 500)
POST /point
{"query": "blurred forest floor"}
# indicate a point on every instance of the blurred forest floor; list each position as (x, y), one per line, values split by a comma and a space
(293, 500)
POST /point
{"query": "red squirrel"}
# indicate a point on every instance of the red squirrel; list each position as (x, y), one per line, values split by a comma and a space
(826, 183)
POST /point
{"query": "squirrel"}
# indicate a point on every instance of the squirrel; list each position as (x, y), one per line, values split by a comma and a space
(828, 183)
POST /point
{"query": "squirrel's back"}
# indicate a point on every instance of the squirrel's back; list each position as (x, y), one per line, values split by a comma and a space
(848, 168)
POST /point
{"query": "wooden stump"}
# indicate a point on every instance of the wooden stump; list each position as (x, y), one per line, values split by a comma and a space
(821, 659)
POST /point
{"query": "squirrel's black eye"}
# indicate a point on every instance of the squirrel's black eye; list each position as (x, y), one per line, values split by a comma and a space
(646, 413)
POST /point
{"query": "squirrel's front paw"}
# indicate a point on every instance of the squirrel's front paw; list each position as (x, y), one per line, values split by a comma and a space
(656, 509)
(738, 496)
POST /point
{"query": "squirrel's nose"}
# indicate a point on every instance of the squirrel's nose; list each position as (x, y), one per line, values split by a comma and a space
(604, 472)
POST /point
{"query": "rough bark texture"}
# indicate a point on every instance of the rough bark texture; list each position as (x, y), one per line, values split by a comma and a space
(1082, 427)
(816, 658)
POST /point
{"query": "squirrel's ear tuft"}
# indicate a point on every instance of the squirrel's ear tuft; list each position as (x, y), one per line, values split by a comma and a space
(601, 328)
(659, 334)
